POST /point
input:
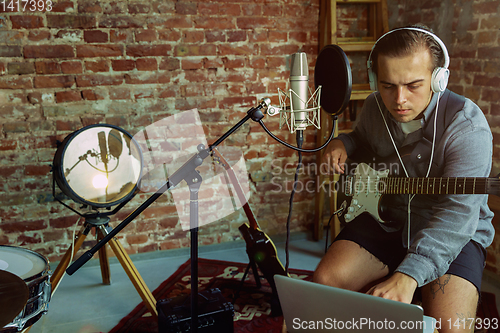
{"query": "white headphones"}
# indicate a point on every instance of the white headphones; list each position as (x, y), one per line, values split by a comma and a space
(440, 75)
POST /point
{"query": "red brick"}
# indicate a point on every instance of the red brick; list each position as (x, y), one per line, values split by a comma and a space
(274, 10)
(229, 9)
(146, 64)
(213, 63)
(195, 50)
(255, 23)
(186, 8)
(483, 80)
(277, 36)
(490, 7)
(121, 36)
(122, 65)
(92, 80)
(235, 49)
(147, 78)
(8, 144)
(93, 95)
(71, 67)
(21, 227)
(139, 8)
(89, 6)
(62, 6)
(258, 63)
(169, 35)
(101, 50)
(46, 67)
(95, 36)
(177, 23)
(15, 82)
(234, 63)
(251, 10)
(148, 35)
(215, 36)
(170, 64)
(192, 64)
(215, 23)
(119, 93)
(236, 36)
(193, 37)
(97, 66)
(26, 21)
(68, 96)
(67, 125)
(278, 50)
(71, 21)
(489, 53)
(137, 239)
(11, 51)
(62, 222)
(37, 170)
(209, 9)
(122, 22)
(39, 35)
(59, 81)
(148, 50)
(35, 97)
(114, 7)
(232, 102)
(20, 68)
(48, 51)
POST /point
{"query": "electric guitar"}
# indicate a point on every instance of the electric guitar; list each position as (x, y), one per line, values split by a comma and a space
(259, 246)
(364, 191)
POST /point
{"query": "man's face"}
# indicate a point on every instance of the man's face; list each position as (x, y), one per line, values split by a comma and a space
(404, 84)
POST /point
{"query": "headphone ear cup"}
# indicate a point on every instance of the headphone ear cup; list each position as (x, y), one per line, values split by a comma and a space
(439, 80)
(372, 78)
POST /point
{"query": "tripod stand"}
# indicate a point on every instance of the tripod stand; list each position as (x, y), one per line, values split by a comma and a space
(100, 224)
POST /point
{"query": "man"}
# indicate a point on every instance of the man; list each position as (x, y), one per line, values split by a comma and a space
(441, 250)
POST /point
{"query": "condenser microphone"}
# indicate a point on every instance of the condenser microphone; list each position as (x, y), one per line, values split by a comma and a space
(299, 107)
(101, 137)
(299, 86)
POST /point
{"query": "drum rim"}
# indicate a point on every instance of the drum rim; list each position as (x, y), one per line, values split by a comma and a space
(41, 256)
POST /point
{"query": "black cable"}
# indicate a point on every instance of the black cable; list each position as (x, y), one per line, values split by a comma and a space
(299, 148)
(300, 141)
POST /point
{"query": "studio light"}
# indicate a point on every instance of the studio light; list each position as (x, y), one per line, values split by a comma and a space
(98, 166)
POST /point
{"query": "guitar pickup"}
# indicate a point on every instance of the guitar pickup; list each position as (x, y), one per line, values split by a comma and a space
(349, 183)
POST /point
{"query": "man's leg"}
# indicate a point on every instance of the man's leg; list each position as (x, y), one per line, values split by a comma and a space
(347, 265)
(452, 300)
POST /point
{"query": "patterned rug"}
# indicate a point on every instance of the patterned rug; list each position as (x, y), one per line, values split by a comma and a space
(252, 311)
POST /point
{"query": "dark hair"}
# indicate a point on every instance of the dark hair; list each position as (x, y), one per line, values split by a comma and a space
(406, 41)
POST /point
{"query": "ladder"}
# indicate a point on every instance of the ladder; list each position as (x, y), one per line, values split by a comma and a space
(377, 25)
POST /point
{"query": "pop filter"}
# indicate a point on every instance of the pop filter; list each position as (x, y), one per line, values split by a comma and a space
(333, 73)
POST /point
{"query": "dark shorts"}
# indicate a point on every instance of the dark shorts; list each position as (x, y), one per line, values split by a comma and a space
(388, 248)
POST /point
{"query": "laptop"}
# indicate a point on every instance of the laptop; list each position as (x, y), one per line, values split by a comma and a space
(313, 307)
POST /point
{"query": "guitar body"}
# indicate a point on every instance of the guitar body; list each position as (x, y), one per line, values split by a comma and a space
(262, 251)
(360, 193)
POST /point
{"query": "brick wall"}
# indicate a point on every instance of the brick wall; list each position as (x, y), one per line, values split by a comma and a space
(131, 63)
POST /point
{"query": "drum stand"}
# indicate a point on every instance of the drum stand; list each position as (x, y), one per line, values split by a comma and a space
(101, 229)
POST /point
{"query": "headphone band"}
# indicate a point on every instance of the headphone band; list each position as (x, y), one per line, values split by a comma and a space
(436, 38)
(440, 75)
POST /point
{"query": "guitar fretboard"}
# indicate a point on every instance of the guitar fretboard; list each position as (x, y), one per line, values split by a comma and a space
(453, 185)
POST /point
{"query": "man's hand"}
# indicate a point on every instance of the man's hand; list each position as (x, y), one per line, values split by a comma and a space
(335, 156)
(399, 287)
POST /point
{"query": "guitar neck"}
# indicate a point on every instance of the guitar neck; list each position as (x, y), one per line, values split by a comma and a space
(451, 185)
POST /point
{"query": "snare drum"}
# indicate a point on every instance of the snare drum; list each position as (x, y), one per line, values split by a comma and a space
(33, 268)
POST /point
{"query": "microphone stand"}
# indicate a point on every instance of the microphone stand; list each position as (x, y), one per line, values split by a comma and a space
(188, 173)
